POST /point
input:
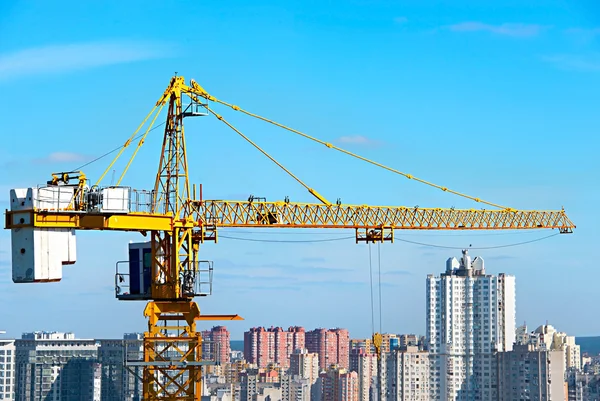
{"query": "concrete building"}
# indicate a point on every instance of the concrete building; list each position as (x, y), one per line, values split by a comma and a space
(362, 343)
(407, 340)
(267, 385)
(296, 338)
(556, 340)
(333, 346)
(7, 369)
(56, 366)
(583, 386)
(300, 390)
(120, 382)
(470, 317)
(339, 384)
(232, 371)
(548, 338)
(530, 372)
(216, 345)
(388, 342)
(274, 345)
(305, 365)
(248, 385)
(407, 374)
(365, 365)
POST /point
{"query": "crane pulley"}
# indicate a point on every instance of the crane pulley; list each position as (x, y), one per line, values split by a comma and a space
(168, 270)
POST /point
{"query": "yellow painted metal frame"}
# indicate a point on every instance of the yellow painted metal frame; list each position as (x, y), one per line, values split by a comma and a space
(173, 340)
(177, 224)
(307, 215)
(301, 215)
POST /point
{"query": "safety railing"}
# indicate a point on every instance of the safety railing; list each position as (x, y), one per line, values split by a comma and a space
(195, 282)
(69, 199)
(198, 282)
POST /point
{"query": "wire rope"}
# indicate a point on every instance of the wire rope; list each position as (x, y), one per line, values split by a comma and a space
(396, 239)
(371, 287)
(115, 149)
(380, 304)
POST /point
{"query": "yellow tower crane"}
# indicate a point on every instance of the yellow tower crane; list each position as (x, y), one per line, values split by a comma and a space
(169, 273)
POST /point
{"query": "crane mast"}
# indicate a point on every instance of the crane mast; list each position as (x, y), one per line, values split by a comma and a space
(178, 223)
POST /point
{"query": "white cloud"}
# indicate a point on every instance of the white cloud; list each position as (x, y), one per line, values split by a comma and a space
(357, 140)
(62, 157)
(77, 56)
(507, 29)
(575, 62)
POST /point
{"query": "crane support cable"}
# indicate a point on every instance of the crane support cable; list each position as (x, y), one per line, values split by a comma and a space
(371, 288)
(331, 146)
(380, 304)
(312, 191)
(139, 145)
(126, 144)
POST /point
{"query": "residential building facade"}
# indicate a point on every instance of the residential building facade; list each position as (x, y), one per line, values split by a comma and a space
(470, 317)
(56, 366)
(216, 345)
(531, 372)
(407, 374)
(7, 369)
(333, 346)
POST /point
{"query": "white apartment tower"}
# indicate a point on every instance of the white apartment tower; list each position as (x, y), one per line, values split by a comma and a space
(470, 317)
(56, 366)
(7, 369)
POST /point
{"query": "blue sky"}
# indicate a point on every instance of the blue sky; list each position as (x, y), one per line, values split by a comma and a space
(497, 101)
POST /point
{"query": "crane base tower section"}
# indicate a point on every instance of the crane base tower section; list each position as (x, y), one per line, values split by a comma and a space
(38, 254)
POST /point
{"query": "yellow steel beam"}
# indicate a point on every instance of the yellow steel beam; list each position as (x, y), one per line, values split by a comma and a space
(301, 215)
(86, 221)
(305, 215)
(219, 317)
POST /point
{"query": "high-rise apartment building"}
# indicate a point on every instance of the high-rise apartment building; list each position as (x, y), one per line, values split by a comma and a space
(339, 384)
(274, 345)
(407, 374)
(470, 317)
(305, 365)
(551, 339)
(407, 340)
(56, 366)
(300, 390)
(296, 338)
(216, 345)
(365, 365)
(362, 343)
(388, 342)
(333, 346)
(121, 382)
(7, 369)
(531, 372)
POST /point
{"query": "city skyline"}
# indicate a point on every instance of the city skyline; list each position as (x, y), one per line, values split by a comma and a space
(240, 327)
(548, 361)
(463, 95)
